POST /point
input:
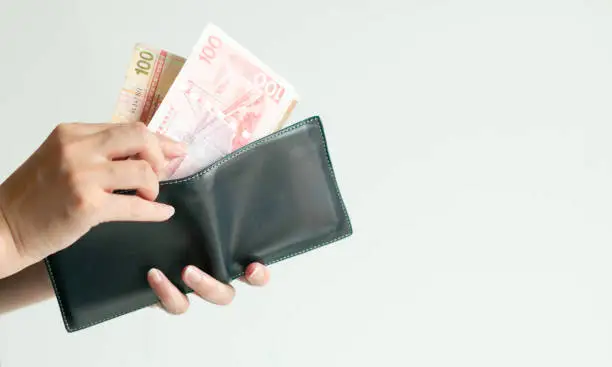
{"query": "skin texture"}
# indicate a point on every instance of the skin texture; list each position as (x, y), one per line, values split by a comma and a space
(66, 187)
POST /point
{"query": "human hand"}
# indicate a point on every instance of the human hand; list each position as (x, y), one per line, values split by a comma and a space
(203, 285)
(67, 187)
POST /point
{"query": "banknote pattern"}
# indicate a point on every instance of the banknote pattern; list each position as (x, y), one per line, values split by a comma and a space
(149, 76)
(222, 99)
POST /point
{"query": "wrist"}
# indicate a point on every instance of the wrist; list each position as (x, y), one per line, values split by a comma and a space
(10, 259)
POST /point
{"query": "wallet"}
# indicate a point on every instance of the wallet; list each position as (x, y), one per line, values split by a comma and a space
(270, 200)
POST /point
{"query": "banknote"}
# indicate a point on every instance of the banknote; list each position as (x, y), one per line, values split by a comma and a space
(149, 76)
(222, 99)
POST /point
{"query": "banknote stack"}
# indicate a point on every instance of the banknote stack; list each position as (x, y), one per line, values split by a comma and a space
(218, 99)
(150, 75)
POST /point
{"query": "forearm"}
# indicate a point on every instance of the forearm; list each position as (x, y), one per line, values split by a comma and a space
(29, 286)
(20, 286)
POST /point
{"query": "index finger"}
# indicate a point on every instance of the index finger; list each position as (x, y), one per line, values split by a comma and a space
(171, 148)
(131, 140)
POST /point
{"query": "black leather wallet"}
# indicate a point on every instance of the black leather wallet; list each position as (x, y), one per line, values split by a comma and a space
(268, 201)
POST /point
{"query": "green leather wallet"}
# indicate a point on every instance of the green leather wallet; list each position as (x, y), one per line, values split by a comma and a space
(268, 201)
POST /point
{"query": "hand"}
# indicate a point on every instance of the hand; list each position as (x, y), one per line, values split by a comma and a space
(203, 285)
(66, 187)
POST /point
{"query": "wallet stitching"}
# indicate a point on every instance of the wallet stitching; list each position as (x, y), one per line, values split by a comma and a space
(338, 196)
(314, 119)
(348, 233)
(50, 269)
(239, 153)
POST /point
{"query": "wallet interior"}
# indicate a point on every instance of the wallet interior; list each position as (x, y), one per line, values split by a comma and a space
(268, 201)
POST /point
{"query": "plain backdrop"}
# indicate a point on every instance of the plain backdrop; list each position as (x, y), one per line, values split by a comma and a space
(471, 141)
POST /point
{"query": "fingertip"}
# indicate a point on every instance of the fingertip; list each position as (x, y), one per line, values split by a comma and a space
(147, 194)
(207, 287)
(172, 300)
(156, 281)
(155, 276)
(164, 211)
(257, 274)
(172, 148)
(179, 149)
(170, 211)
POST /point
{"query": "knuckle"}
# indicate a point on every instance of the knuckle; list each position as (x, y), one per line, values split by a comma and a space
(134, 209)
(151, 176)
(112, 170)
(78, 185)
(150, 139)
(106, 136)
(66, 148)
(81, 203)
(147, 176)
(140, 140)
(84, 202)
(75, 179)
(140, 130)
(144, 169)
(65, 151)
(140, 127)
(62, 130)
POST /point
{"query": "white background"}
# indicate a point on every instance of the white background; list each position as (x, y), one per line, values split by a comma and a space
(471, 140)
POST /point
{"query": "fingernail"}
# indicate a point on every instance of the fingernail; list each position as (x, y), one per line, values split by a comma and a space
(156, 275)
(193, 275)
(180, 149)
(256, 274)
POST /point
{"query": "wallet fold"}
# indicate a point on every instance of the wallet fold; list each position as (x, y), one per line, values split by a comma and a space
(268, 201)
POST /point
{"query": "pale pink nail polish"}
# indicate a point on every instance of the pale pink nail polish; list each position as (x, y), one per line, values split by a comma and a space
(193, 275)
(156, 275)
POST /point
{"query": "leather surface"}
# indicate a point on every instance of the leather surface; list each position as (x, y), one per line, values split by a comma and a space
(274, 198)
